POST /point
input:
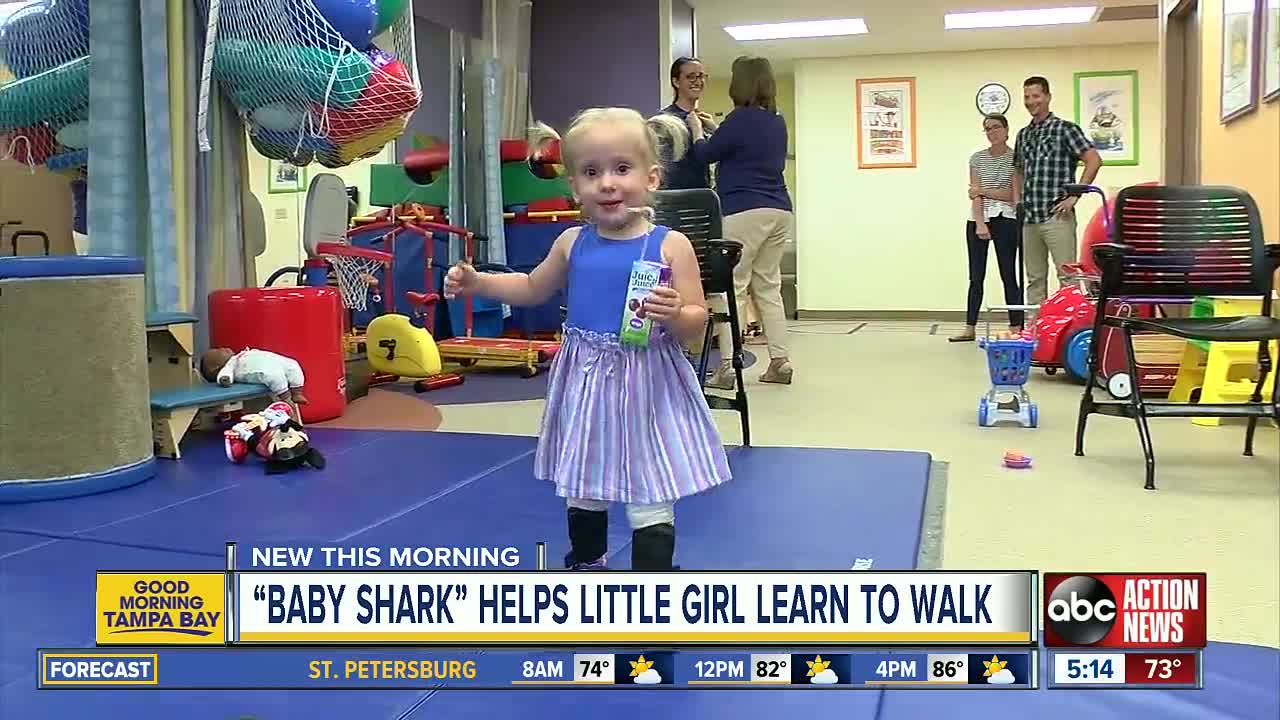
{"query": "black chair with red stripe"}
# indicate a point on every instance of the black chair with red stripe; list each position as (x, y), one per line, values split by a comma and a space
(1169, 244)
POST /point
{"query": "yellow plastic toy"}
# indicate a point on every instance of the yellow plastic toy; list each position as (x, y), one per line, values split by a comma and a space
(399, 348)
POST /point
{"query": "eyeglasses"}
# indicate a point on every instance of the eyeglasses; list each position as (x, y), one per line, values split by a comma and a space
(993, 128)
(700, 77)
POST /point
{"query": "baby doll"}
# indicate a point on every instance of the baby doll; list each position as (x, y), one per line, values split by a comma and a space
(283, 375)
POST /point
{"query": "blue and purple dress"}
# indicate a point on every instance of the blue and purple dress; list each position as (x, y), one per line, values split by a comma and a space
(622, 423)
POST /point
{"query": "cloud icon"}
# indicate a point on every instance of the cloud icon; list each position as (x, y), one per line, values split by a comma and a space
(648, 677)
(826, 677)
(1003, 677)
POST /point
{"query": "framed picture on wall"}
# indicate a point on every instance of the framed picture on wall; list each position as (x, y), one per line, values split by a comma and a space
(283, 177)
(886, 119)
(1107, 110)
(1240, 34)
(1270, 50)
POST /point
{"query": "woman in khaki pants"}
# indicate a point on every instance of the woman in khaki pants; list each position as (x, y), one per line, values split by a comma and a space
(750, 150)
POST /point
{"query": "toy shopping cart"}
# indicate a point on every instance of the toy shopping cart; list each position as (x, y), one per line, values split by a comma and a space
(1007, 400)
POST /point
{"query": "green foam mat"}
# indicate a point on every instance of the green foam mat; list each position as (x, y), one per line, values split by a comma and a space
(521, 187)
(389, 185)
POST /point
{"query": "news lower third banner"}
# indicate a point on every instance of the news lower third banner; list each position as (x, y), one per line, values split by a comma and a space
(275, 668)
(513, 608)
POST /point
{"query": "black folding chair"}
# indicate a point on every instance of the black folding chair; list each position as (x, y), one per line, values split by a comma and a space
(696, 213)
(1173, 243)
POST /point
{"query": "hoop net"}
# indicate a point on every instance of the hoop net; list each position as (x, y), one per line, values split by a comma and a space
(44, 84)
(329, 81)
(357, 271)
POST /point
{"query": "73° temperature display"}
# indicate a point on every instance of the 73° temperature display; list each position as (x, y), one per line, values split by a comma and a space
(1127, 669)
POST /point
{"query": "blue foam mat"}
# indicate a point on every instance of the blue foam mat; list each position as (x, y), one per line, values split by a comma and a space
(458, 489)
(208, 501)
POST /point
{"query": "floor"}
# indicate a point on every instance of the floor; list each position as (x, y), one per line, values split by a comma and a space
(859, 386)
(900, 385)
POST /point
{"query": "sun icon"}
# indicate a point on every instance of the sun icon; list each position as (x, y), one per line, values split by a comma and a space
(640, 666)
(994, 665)
(817, 665)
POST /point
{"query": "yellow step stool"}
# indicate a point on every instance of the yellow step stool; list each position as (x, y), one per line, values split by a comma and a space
(1223, 372)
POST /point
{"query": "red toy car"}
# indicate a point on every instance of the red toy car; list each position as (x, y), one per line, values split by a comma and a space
(1064, 328)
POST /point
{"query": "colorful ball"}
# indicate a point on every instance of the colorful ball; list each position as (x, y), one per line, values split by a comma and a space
(388, 12)
(354, 20)
(21, 40)
(278, 116)
(278, 146)
(29, 145)
(389, 95)
(43, 35)
(68, 28)
(259, 73)
(75, 135)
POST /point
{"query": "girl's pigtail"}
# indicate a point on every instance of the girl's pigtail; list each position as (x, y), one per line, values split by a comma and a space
(672, 132)
(541, 138)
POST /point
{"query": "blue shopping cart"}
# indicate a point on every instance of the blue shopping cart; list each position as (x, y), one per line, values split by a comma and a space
(1010, 364)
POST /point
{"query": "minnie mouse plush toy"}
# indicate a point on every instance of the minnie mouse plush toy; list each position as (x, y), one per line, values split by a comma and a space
(274, 436)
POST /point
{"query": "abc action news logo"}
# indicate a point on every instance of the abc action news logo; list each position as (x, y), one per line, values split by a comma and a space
(1124, 610)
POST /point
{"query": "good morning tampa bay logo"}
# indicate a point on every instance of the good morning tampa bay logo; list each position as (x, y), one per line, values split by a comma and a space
(169, 607)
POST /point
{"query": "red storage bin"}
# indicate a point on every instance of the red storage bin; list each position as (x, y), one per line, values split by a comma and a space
(304, 323)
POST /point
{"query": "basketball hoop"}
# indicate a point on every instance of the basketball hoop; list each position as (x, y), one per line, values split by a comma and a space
(356, 268)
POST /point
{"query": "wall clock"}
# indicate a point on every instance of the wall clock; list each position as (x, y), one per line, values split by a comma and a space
(992, 99)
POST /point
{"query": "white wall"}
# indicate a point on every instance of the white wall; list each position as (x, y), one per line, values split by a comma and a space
(283, 213)
(894, 239)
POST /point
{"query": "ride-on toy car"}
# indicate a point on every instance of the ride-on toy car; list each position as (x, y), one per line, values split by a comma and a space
(1064, 328)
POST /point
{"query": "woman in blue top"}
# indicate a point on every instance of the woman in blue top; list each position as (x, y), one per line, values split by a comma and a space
(623, 422)
(750, 147)
(688, 80)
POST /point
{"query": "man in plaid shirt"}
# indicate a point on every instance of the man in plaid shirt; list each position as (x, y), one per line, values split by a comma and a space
(1045, 155)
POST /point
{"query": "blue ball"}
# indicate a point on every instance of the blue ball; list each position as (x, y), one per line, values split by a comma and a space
(44, 35)
(67, 29)
(354, 20)
(20, 41)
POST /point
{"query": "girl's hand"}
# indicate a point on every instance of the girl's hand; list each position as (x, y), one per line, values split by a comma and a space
(984, 231)
(663, 304)
(974, 192)
(462, 279)
(708, 122)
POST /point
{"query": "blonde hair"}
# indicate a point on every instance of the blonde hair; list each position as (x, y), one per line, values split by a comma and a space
(660, 131)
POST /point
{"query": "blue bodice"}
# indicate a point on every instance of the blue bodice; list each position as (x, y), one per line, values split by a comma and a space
(599, 273)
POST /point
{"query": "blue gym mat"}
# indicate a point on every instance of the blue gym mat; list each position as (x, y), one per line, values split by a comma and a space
(464, 489)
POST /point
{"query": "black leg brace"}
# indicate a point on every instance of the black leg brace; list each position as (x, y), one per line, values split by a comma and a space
(588, 538)
(653, 547)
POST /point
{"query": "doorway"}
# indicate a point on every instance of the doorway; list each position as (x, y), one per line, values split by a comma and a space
(1182, 69)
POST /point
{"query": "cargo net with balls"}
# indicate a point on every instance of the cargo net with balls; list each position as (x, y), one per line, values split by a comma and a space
(44, 84)
(329, 81)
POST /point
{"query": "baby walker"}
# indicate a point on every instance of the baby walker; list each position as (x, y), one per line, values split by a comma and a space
(1009, 360)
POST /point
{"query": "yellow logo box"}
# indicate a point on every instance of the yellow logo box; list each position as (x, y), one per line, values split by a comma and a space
(161, 608)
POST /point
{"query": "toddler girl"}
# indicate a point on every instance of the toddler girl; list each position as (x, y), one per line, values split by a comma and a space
(623, 422)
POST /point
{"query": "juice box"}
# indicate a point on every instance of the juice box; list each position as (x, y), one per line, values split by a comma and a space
(645, 276)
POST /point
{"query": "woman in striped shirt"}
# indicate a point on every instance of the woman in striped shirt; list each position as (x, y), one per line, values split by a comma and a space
(992, 220)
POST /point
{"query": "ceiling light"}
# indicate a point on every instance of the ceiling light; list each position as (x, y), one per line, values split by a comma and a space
(805, 29)
(1019, 18)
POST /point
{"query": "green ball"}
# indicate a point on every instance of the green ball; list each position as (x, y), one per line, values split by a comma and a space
(389, 11)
